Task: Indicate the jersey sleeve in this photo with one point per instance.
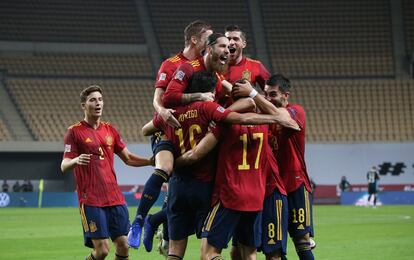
(178, 84)
(165, 74)
(298, 114)
(71, 149)
(215, 112)
(119, 143)
(263, 75)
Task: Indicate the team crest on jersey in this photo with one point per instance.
(221, 109)
(247, 75)
(163, 76)
(88, 140)
(109, 140)
(92, 226)
(68, 148)
(179, 75)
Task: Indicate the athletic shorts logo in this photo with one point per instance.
(179, 75)
(4, 199)
(163, 76)
(92, 226)
(67, 148)
(221, 109)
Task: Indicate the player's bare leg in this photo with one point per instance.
(100, 249)
(177, 249)
(235, 253)
(303, 247)
(209, 252)
(122, 248)
(274, 256)
(247, 252)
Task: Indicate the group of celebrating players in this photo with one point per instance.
(233, 158)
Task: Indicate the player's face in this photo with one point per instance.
(201, 41)
(94, 105)
(275, 96)
(236, 45)
(218, 55)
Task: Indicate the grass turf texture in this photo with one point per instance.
(342, 232)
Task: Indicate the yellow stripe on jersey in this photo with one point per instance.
(174, 59)
(212, 216)
(83, 218)
(74, 125)
(253, 60)
(307, 208)
(195, 63)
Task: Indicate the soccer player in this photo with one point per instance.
(373, 178)
(241, 67)
(289, 148)
(90, 146)
(195, 35)
(214, 61)
(190, 187)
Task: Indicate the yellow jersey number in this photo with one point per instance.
(245, 165)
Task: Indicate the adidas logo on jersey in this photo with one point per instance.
(301, 227)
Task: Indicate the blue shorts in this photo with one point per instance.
(188, 205)
(104, 222)
(160, 143)
(274, 223)
(300, 212)
(222, 224)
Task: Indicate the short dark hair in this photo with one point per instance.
(235, 28)
(195, 28)
(281, 81)
(202, 81)
(212, 38)
(87, 91)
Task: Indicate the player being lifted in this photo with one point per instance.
(195, 35)
(89, 150)
(190, 187)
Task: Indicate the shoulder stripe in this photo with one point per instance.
(74, 125)
(174, 59)
(195, 63)
(253, 60)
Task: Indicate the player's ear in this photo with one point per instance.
(244, 44)
(194, 39)
(83, 106)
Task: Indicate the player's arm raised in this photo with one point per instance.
(149, 128)
(202, 149)
(246, 90)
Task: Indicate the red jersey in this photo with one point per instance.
(274, 181)
(167, 69)
(182, 78)
(251, 70)
(96, 182)
(290, 151)
(194, 119)
(241, 171)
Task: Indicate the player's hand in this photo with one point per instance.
(242, 89)
(152, 160)
(83, 159)
(168, 117)
(207, 96)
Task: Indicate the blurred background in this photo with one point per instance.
(351, 63)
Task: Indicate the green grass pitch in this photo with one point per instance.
(342, 232)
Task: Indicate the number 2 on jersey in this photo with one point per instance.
(245, 165)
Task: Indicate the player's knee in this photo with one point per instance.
(174, 257)
(274, 256)
(235, 253)
(122, 249)
(164, 160)
(101, 253)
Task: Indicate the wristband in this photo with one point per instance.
(253, 93)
